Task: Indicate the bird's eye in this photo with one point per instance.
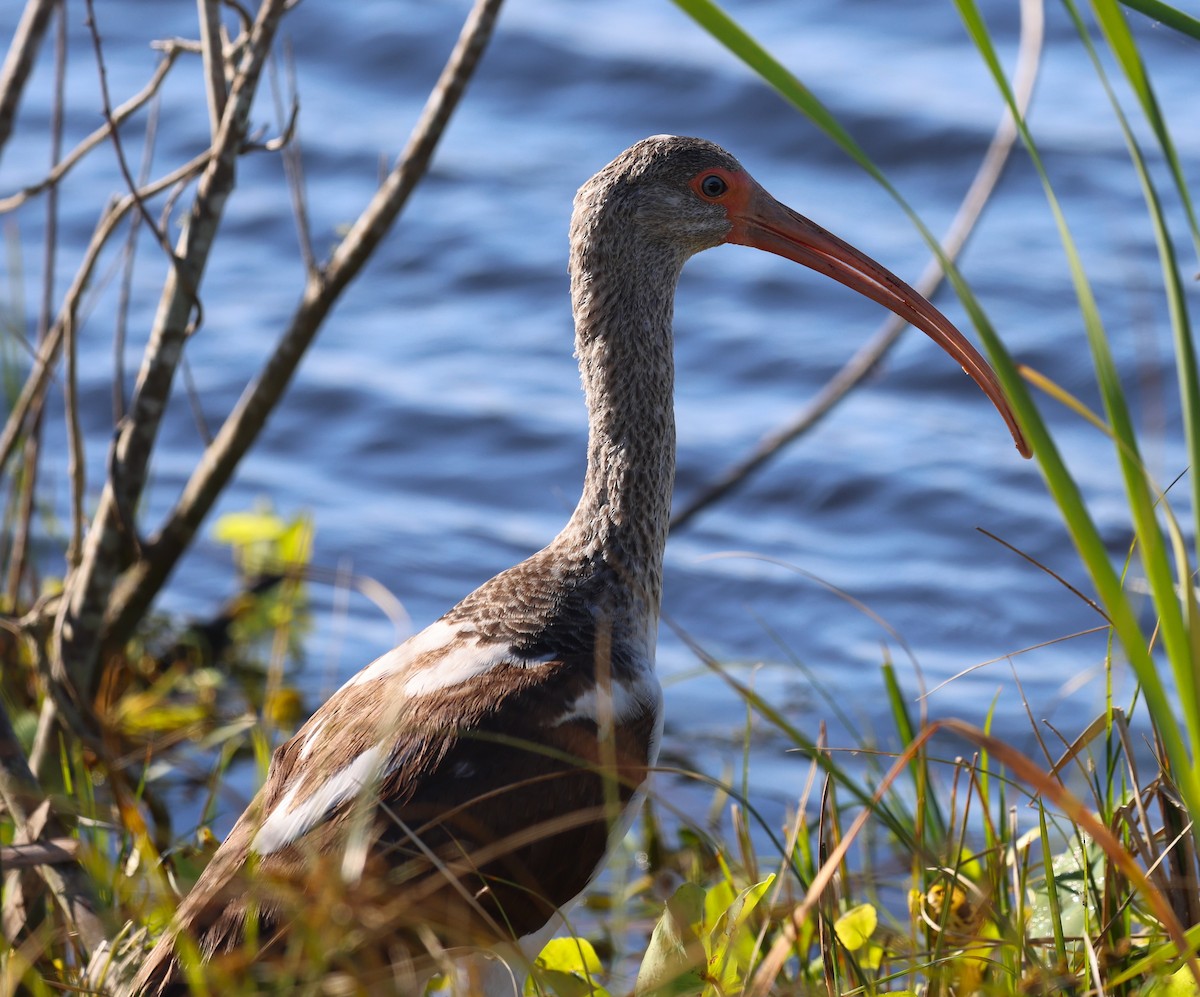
(713, 186)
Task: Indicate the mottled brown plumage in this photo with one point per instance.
(466, 785)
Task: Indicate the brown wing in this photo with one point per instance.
(479, 831)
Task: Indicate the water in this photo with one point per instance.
(436, 431)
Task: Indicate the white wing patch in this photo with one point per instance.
(439, 636)
(286, 824)
(619, 703)
(458, 656)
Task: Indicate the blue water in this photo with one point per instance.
(436, 431)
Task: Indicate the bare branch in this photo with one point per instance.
(239, 431)
(80, 620)
(293, 161)
(126, 293)
(18, 64)
(868, 358)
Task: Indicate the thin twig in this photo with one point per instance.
(141, 583)
(194, 402)
(23, 514)
(114, 135)
(130, 255)
(18, 64)
(123, 112)
(40, 752)
(293, 161)
(867, 359)
(33, 391)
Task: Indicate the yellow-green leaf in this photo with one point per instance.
(731, 946)
(241, 528)
(1181, 983)
(855, 928)
(566, 967)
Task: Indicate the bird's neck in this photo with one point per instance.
(623, 305)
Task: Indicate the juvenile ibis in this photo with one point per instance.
(463, 788)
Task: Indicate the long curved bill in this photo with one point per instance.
(762, 222)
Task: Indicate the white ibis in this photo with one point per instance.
(465, 787)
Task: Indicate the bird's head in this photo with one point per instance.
(685, 195)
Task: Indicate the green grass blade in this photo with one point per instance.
(1189, 389)
(1052, 898)
(929, 809)
(1185, 352)
(1140, 496)
(729, 33)
(1120, 40)
(738, 41)
(1164, 13)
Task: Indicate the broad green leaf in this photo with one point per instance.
(854, 930)
(675, 960)
(566, 967)
(1078, 874)
(717, 901)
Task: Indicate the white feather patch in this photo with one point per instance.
(435, 637)
(619, 703)
(286, 823)
(458, 663)
(449, 655)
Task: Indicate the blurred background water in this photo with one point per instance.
(436, 431)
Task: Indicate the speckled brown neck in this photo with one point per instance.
(623, 292)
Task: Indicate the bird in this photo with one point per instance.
(465, 787)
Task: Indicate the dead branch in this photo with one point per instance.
(22, 521)
(142, 582)
(118, 145)
(58, 851)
